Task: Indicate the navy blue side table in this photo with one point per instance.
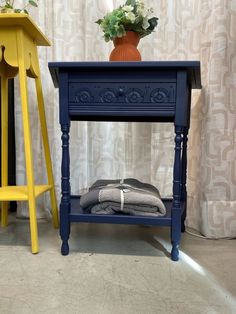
(127, 91)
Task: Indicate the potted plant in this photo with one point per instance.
(125, 26)
(8, 6)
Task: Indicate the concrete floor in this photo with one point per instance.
(114, 269)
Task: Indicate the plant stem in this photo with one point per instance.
(25, 6)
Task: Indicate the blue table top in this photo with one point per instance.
(193, 68)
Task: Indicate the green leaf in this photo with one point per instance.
(107, 38)
(135, 8)
(153, 23)
(99, 21)
(8, 6)
(33, 3)
(25, 11)
(131, 2)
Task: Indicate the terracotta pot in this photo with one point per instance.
(126, 48)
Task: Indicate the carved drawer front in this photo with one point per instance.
(143, 97)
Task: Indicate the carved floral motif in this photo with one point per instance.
(108, 96)
(160, 95)
(84, 96)
(134, 95)
(123, 94)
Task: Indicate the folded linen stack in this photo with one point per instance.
(127, 196)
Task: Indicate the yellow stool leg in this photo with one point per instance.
(42, 117)
(4, 214)
(4, 153)
(28, 146)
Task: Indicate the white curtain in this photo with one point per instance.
(188, 30)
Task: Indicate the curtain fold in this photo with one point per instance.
(188, 30)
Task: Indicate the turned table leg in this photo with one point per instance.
(65, 188)
(176, 207)
(184, 178)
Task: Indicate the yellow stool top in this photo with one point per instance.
(23, 20)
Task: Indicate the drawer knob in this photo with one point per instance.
(121, 92)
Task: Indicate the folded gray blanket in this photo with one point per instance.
(129, 196)
(110, 208)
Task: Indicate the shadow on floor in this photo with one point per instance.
(92, 238)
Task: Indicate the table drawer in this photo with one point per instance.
(121, 97)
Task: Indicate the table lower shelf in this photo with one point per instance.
(78, 215)
(20, 193)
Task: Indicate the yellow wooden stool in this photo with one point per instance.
(19, 38)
